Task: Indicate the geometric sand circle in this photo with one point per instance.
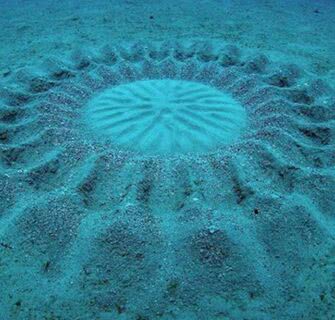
(165, 117)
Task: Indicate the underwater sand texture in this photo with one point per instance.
(292, 31)
(92, 228)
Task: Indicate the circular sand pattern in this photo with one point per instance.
(166, 116)
(199, 235)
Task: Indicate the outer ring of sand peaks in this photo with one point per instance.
(63, 92)
(165, 117)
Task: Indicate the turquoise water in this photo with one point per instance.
(167, 160)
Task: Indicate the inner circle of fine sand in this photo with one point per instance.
(166, 116)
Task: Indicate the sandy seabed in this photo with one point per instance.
(110, 211)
